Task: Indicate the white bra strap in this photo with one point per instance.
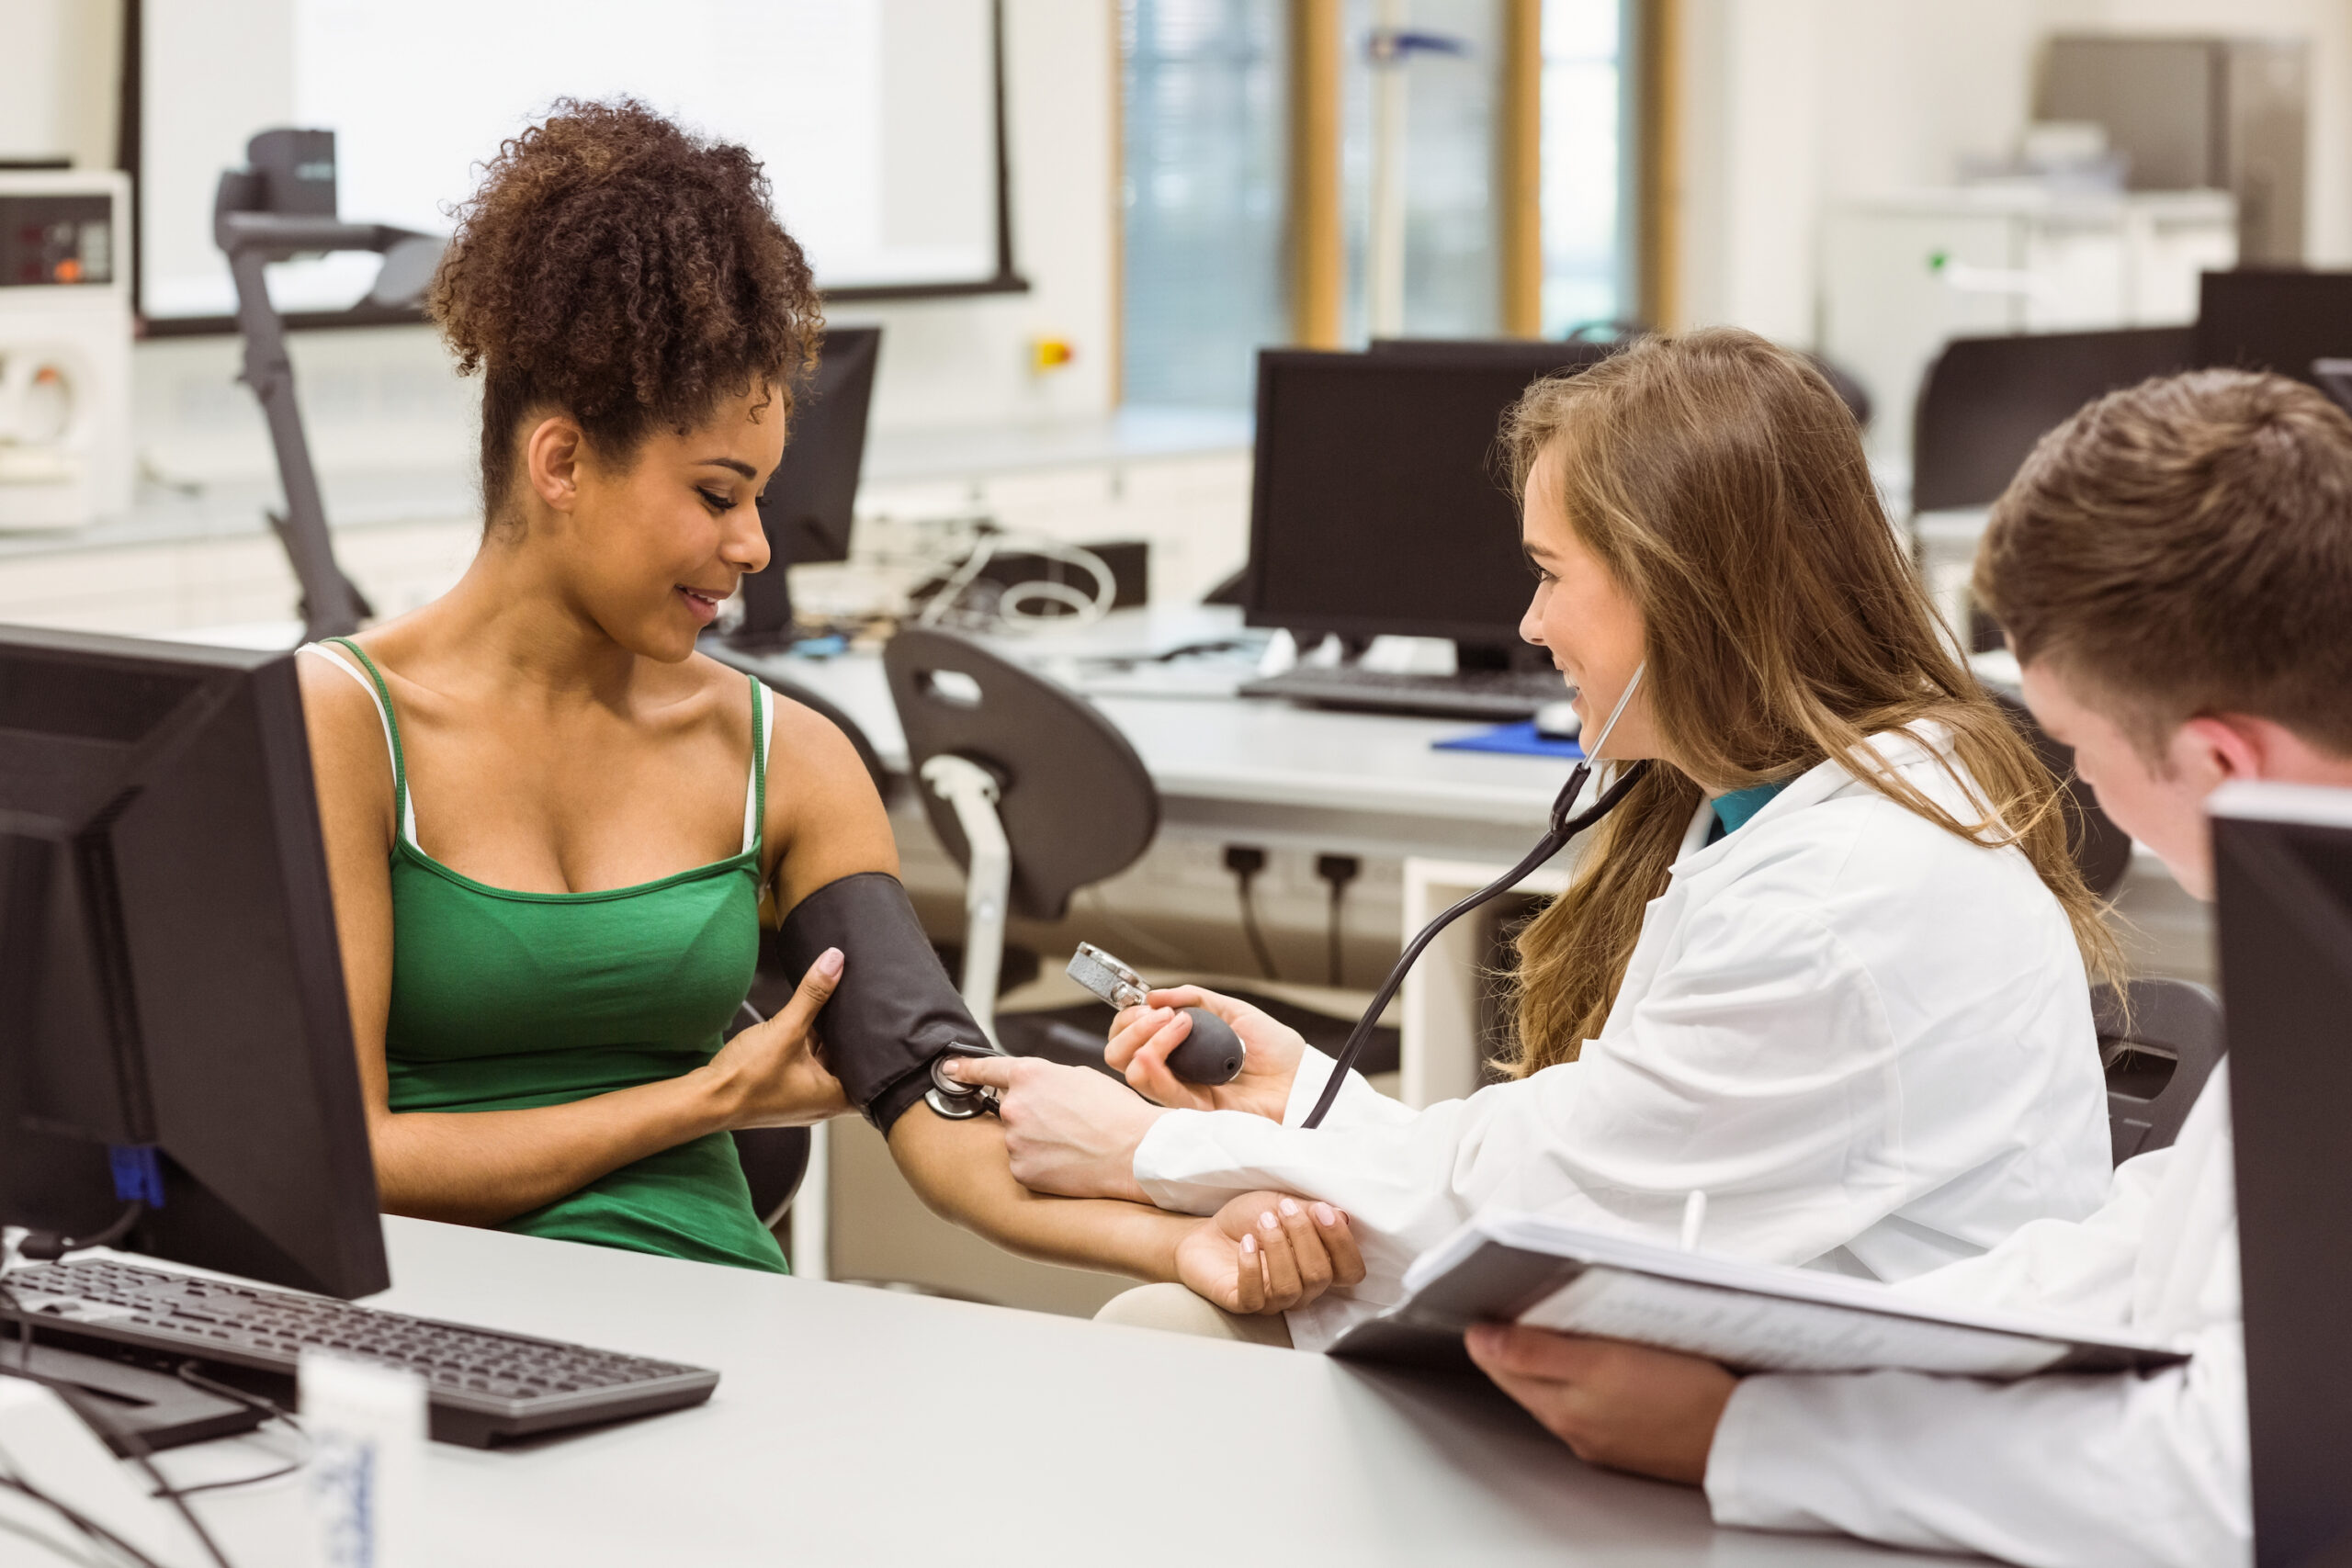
(759, 767)
(376, 699)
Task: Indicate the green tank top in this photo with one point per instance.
(505, 1000)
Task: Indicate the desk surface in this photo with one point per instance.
(857, 1426)
(1334, 781)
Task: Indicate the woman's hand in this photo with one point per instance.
(1069, 1132)
(1627, 1406)
(1142, 1037)
(769, 1075)
(1265, 1252)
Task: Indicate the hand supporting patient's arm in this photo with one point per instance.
(1236, 1258)
(1068, 1131)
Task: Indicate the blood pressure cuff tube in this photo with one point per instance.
(895, 1010)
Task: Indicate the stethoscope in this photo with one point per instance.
(1563, 828)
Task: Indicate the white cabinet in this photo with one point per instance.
(1902, 274)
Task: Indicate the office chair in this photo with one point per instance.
(2158, 1053)
(774, 1159)
(1036, 794)
(1030, 789)
(2102, 850)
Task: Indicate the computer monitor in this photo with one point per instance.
(2274, 319)
(1382, 502)
(171, 989)
(2283, 874)
(807, 507)
(1986, 401)
(2335, 378)
(1537, 357)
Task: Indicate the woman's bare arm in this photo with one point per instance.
(961, 1172)
(482, 1167)
(834, 826)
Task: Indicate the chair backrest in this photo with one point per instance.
(2102, 850)
(774, 1159)
(1077, 802)
(2175, 1018)
(1986, 401)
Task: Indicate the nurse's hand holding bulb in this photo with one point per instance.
(1142, 1037)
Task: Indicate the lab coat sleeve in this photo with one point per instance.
(2061, 1472)
(2084, 1268)
(1757, 1070)
(1359, 1104)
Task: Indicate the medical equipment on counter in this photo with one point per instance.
(1563, 828)
(64, 347)
(279, 207)
(1211, 1053)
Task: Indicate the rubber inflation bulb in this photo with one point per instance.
(1211, 1053)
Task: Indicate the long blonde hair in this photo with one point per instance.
(1723, 484)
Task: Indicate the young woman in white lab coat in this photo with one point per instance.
(1827, 963)
(2169, 565)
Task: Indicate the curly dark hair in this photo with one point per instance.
(619, 269)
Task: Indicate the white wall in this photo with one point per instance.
(58, 68)
(966, 364)
(385, 399)
(1796, 104)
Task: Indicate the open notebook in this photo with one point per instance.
(1507, 1267)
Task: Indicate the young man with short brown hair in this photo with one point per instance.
(2174, 568)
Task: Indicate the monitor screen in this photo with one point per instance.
(2282, 864)
(2278, 320)
(811, 497)
(1383, 495)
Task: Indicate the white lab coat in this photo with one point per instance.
(2053, 1471)
(1867, 1040)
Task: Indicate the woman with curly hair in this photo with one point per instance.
(553, 826)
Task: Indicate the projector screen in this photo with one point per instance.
(878, 122)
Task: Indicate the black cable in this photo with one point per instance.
(1338, 871)
(269, 1409)
(79, 1520)
(281, 1471)
(1563, 828)
(47, 1247)
(104, 1424)
(144, 1458)
(1245, 863)
(24, 1327)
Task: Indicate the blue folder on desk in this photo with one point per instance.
(1519, 740)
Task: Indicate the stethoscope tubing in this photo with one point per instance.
(1564, 828)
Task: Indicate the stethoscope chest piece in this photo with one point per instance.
(957, 1101)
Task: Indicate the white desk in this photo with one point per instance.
(855, 1426)
(1354, 782)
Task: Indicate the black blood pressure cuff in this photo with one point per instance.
(895, 1010)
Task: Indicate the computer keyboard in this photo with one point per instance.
(483, 1386)
(1501, 695)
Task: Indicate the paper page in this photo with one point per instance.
(1754, 1333)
